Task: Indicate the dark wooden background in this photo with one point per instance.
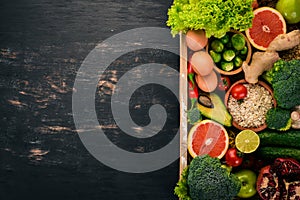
(42, 45)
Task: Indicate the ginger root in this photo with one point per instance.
(285, 41)
(262, 61)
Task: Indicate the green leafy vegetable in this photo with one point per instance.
(227, 66)
(215, 56)
(194, 115)
(284, 77)
(244, 51)
(182, 188)
(208, 180)
(225, 39)
(228, 55)
(216, 17)
(237, 61)
(279, 119)
(238, 41)
(217, 46)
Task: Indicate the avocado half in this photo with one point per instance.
(217, 112)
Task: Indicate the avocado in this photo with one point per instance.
(217, 112)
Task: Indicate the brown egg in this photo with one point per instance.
(207, 83)
(196, 39)
(202, 63)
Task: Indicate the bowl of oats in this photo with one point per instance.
(249, 111)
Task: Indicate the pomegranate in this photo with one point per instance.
(280, 180)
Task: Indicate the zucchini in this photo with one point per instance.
(279, 152)
(289, 138)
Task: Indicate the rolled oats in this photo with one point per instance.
(250, 112)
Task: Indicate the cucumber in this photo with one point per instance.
(279, 152)
(289, 138)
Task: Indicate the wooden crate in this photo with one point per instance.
(183, 99)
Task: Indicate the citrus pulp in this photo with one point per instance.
(208, 137)
(267, 24)
(247, 141)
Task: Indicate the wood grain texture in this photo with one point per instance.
(42, 46)
(183, 103)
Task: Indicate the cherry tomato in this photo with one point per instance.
(239, 91)
(224, 83)
(232, 158)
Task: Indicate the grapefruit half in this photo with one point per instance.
(267, 24)
(208, 137)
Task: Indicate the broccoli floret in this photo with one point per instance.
(194, 114)
(287, 92)
(278, 72)
(208, 180)
(278, 119)
(285, 80)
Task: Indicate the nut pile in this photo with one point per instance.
(251, 111)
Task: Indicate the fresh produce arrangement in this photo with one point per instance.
(242, 67)
(229, 52)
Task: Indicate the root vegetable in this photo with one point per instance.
(285, 41)
(263, 61)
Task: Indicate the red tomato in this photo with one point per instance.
(232, 158)
(239, 91)
(224, 83)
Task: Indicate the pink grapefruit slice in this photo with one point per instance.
(267, 24)
(208, 137)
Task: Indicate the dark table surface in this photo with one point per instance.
(42, 46)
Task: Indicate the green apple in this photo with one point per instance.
(290, 10)
(248, 179)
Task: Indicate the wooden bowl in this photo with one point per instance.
(227, 95)
(247, 60)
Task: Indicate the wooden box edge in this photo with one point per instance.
(183, 96)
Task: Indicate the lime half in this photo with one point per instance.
(247, 141)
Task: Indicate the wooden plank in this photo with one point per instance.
(183, 96)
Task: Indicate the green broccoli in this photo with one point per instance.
(207, 179)
(284, 77)
(282, 70)
(194, 115)
(278, 119)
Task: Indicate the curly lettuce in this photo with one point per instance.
(182, 188)
(216, 17)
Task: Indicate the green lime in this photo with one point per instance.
(247, 141)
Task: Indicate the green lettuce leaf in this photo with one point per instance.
(181, 189)
(216, 17)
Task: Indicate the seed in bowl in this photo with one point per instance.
(251, 111)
